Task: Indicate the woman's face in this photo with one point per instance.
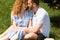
(24, 6)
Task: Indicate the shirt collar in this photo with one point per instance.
(36, 12)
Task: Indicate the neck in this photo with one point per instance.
(22, 13)
(35, 9)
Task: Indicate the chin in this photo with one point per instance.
(30, 8)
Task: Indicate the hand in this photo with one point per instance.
(26, 30)
(30, 29)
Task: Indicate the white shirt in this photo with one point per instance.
(42, 17)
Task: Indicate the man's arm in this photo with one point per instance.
(36, 28)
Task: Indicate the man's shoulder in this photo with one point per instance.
(41, 9)
(42, 12)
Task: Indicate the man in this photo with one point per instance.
(40, 22)
(41, 19)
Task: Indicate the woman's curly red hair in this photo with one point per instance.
(17, 6)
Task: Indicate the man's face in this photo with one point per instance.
(30, 4)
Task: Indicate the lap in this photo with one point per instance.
(14, 37)
(11, 32)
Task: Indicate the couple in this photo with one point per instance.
(27, 16)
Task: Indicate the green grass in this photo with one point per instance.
(5, 9)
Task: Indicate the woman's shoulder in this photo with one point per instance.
(12, 14)
(29, 13)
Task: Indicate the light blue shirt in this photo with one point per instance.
(42, 17)
(22, 22)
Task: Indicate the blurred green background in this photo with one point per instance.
(52, 8)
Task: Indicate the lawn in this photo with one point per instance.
(5, 10)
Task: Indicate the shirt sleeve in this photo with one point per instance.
(41, 18)
(12, 17)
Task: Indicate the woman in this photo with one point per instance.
(20, 17)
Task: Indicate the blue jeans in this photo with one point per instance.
(21, 34)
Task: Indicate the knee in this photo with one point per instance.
(31, 36)
(34, 36)
(4, 38)
(13, 39)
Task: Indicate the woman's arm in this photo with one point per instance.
(17, 28)
(29, 26)
(14, 23)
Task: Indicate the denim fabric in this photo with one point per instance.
(21, 34)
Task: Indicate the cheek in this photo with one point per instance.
(30, 4)
(24, 6)
(34, 5)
